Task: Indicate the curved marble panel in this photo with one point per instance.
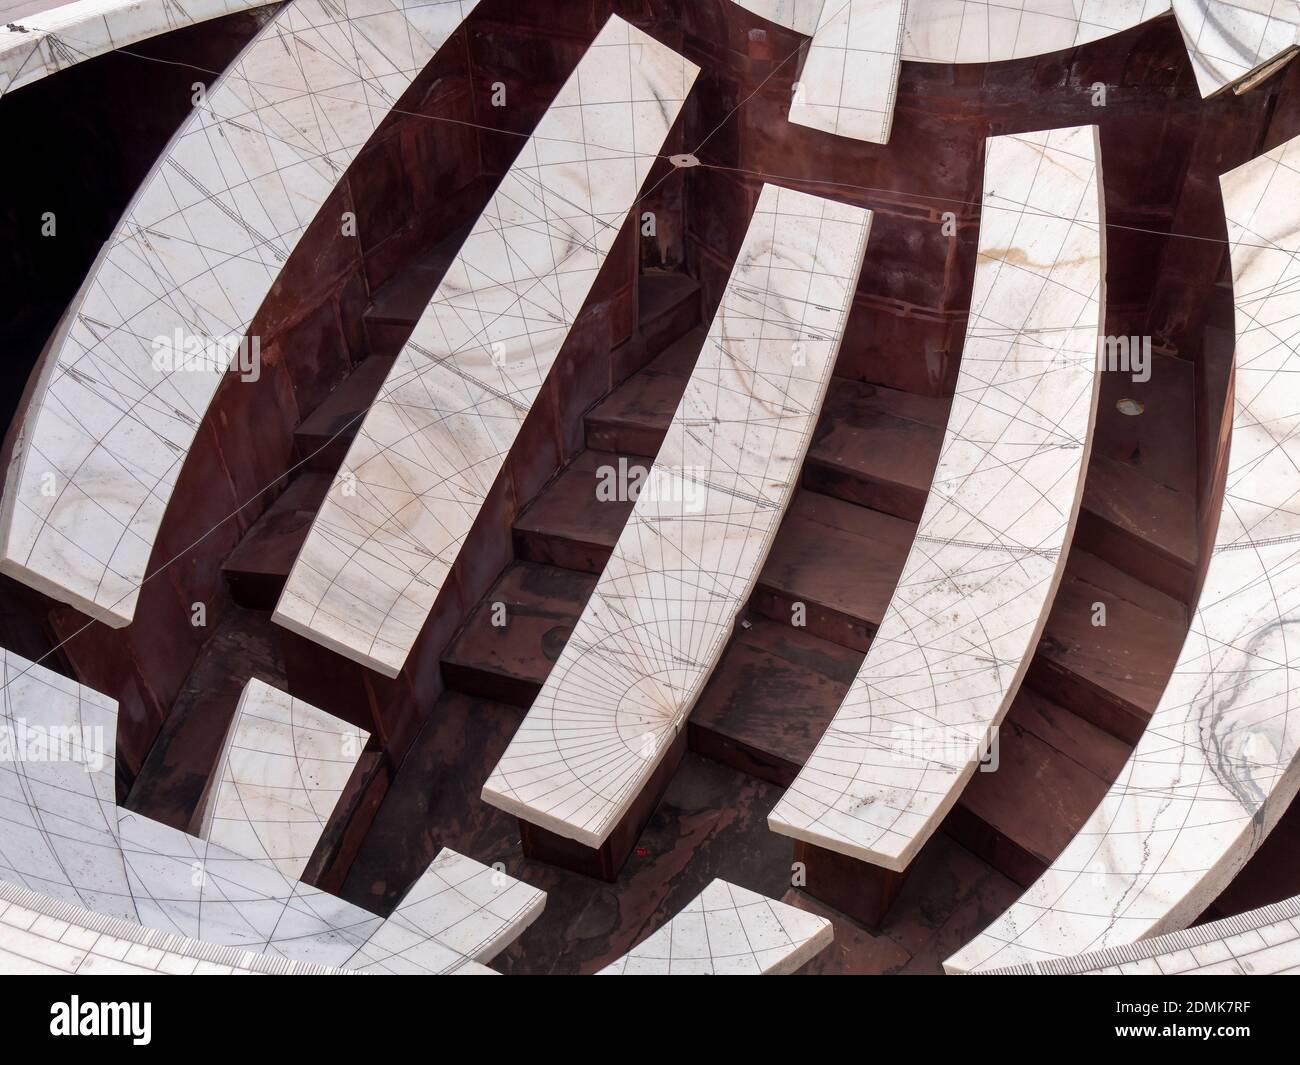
(433, 442)
(980, 578)
(700, 530)
(1231, 43)
(728, 931)
(130, 373)
(1263, 942)
(62, 836)
(32, 46)
(459, 909)
(1217, 764)
(974, 31)
(283, 767)
(42, 937)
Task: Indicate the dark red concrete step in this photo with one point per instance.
(668, 307)
(770, 699)
(1140, 496)
(634, 417)
(1111, 675)
(1052, 770)
(398, 304)
(840, 560)
(510, 663)
(876, 446)
(256, 570)
(568, 525)
(324, 436)
(178, 770)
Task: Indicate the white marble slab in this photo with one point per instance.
(974, 31)
(115, 408)
(188, 887)
(983, 569)
(1229, 41)
(42, 937)
(1262, 942)
(33, 46)
(63, 837)
(282, 769)
(432, 444)
(58, 806)
(459, 914)
(849, 80)
(728, 931)
(801, 16)
(1216, 766)
(700, 530)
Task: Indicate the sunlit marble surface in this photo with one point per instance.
(283, 767)
(63, 837)
(116, 407)
(1263, 942)
(728, 931)
(42, 937)
(700, 530)
(979, 580)
(1217, 764)
(432, 444)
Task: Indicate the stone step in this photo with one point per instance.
(509, 662)
(876, 446)
(635, 416)
(569, 524)
(771, 697)
(1113, 674)
(1052, 768)
(322, 440)
(256, 570)
(840, 560)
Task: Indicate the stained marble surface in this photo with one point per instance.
(988, 554)
(140, 352)
(728, 931)
(45, 42)
(63, 837)
(430, 447)
(283, 767)
(1227, 40)
(1262, 942)
(1217, 765)
(700, 529)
